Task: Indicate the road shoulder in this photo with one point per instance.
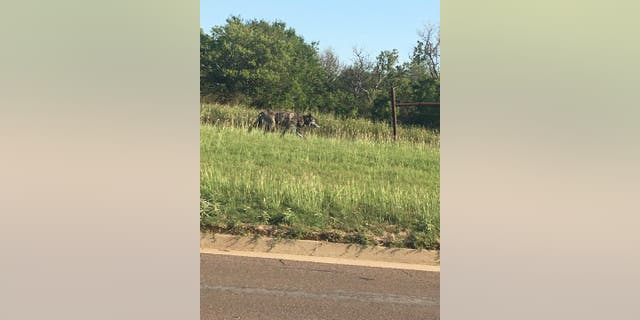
(320, 251)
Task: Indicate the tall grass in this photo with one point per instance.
(348, 184)
(330, 125)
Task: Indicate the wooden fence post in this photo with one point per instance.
(395, 113)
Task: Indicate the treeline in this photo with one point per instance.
(268, 65)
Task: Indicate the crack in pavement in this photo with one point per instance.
(334, 295)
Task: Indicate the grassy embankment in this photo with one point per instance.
(347, 182)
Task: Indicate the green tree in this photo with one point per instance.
(422, 76)
(268, 65)
(263, 64)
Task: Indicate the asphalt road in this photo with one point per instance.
(233, 287)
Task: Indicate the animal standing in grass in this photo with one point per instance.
(269, 120)
(265, 120)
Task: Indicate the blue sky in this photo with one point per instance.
(369, 25)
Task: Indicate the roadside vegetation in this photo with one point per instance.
(268, 65)
(348, 181)
(330, 125)
(342, 185)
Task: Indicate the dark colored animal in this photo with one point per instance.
(297, 120)
(269, 120)
(266, 120)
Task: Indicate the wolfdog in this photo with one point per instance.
(266, 120)
(269, 119)
(290, 119)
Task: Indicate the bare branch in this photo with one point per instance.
(430, 49)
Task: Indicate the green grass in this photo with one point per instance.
(330, 125)
(361, 189)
